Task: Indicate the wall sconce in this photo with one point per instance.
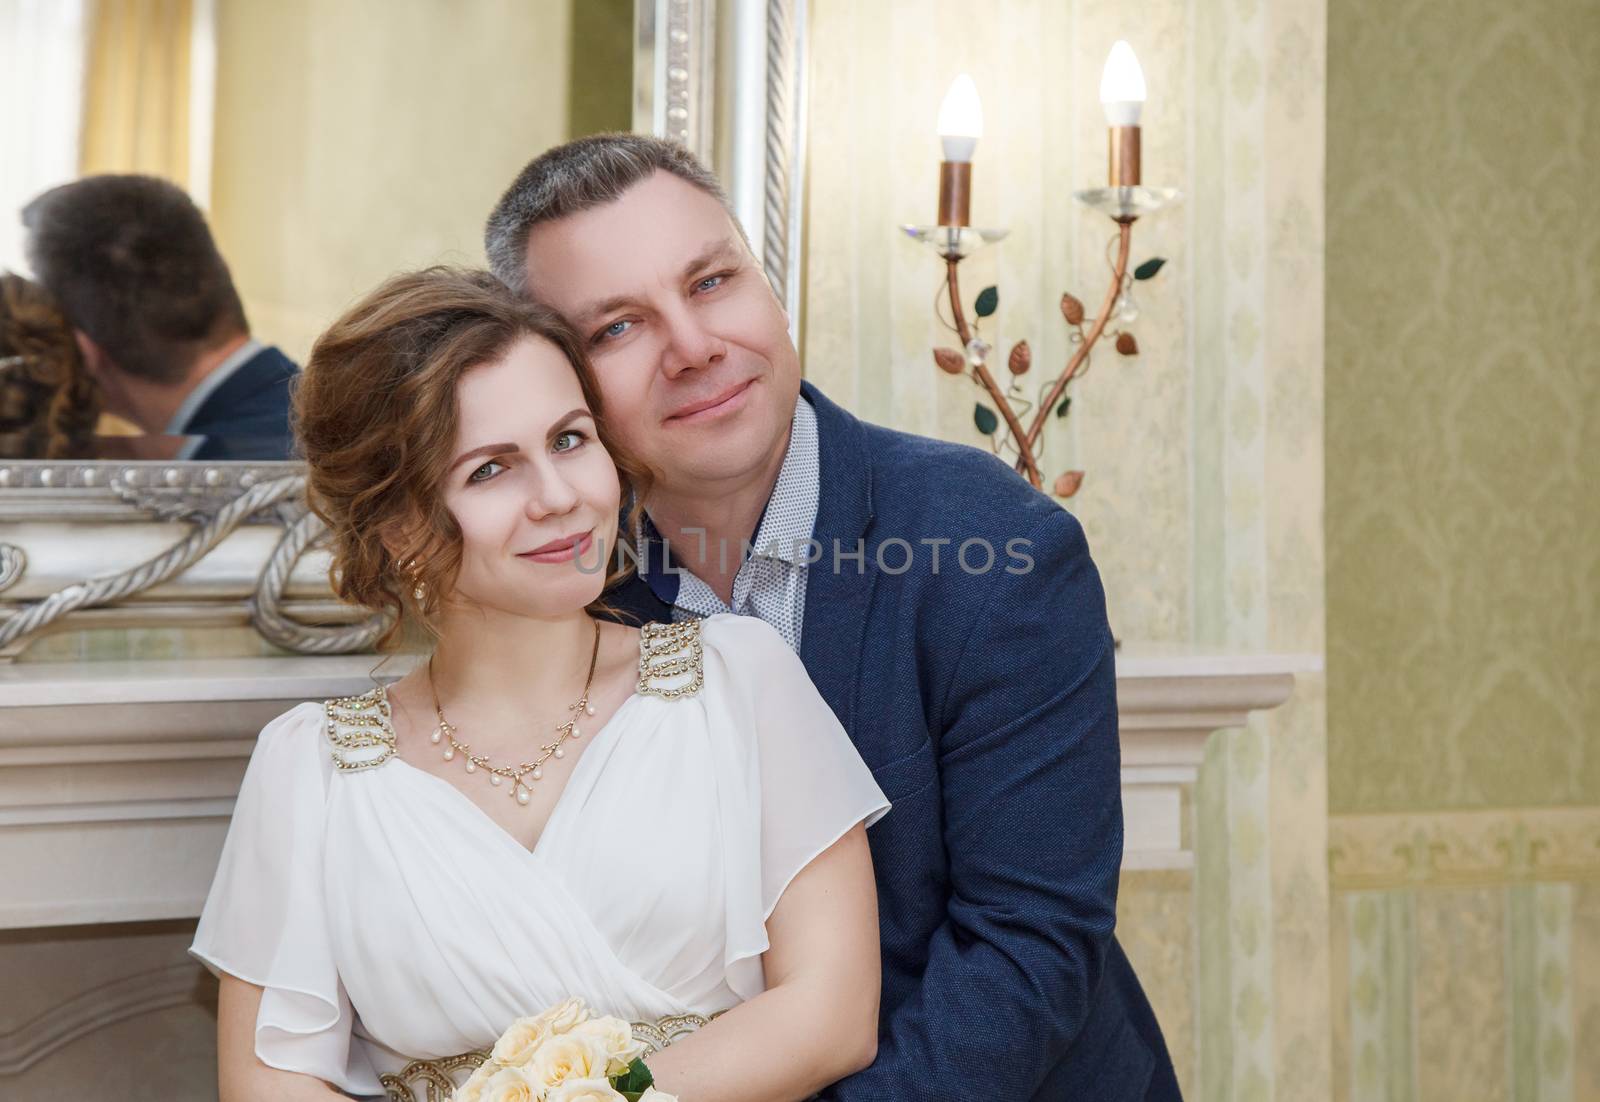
(1124, 201)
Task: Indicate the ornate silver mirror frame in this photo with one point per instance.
(150, 544)
(728, 80)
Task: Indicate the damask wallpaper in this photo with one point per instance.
(1463, 528)
(1463, 405)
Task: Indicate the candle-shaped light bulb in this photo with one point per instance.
(960, 120)
(1122, 90)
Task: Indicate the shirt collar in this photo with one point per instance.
(791, 513)
(210, 385)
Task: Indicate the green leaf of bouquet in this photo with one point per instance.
(985, 418)
(988, 302)
(634, 1082)
(1066, 404)
(1149, 268)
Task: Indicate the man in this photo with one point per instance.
(947, 611)
(155, 313)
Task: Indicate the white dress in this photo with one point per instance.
(389, 919)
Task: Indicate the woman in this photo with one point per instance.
(48, 402)
(662, 822)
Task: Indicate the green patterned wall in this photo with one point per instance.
(1463, 543)
(1463, 404)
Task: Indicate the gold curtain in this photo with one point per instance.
(136, 98)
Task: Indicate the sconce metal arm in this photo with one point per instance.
(1025, 461)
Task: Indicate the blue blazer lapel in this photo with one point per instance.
(837, 599)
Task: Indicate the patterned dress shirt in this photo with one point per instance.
(771, 582)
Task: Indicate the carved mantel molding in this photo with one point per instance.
(117, 779)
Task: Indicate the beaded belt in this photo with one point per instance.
(436, 1080)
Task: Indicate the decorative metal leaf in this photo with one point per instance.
(1021, 358)
(988, 302)
(1149, 268)
(950, 360)
(1066, 404)
(1127, 345)
(985, 418)
(1068, 483)
(1072, 310)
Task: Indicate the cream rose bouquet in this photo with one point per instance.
(564, 1055)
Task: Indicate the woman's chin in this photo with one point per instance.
(550, 601)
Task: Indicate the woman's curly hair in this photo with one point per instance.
(49, 404)
(376, 415)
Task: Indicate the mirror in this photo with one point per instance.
(324, 146)
(328, 144)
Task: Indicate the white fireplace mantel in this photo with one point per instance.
(1170, 699)
(117, 779)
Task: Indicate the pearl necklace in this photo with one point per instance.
(521, 790)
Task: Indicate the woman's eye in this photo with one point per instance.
(575, 437)
(615, 329)
(486, 472)
(710, 283)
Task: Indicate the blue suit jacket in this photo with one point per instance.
(248, 415)
(984, 701)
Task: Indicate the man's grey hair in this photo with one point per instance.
(577, 176)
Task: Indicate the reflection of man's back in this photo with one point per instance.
(160, 328)
(241, 409)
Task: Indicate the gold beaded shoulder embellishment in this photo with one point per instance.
(670, 663)
(360, 731)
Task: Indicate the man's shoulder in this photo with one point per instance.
(264, 379)
(269, 369)
(947, 487)
(260, 386)
(247, 416)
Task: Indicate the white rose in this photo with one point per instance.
(512, 1085)
(584, 1090)
(568, 1056)
(519, 1042)
(562, 1017)
(472, 1089)
(652, 1095)
(615, 1037)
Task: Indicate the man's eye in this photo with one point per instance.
(486, 472)
(615, 329)
(710, 283)
(577, 438)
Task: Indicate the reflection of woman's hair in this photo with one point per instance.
(48, 402)
(376, 417)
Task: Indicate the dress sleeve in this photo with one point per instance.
(806, 774)
(266, 921)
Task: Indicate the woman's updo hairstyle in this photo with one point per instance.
(376, 417)
(49, 405)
